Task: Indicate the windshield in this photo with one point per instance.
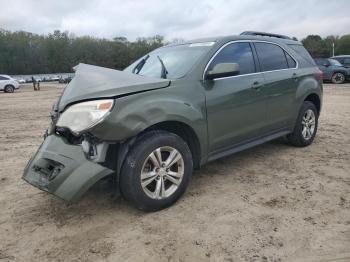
(170, 62)
(334, 62)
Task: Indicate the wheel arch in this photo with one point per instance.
(9, 85)
(315, 99)
(186, 133)
(339, 71)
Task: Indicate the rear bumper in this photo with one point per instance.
(63, 169)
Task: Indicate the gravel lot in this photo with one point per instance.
(270, 203)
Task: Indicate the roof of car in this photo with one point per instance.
(340, 56)
(242, 37)
(6, 76)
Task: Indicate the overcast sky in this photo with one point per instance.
(177, 18)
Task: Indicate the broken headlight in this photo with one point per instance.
(82, 116)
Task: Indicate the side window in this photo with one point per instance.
(3, 78)
(271, 56)
(346, 61)
(240, 53)
(291, 62)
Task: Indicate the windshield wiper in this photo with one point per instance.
(164, 71)
(139, 66)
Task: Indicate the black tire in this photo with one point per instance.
(9, 89)
(297, 138)
(130, 177)
(338, 78)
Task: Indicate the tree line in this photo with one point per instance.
(27, 53)
(320, 47)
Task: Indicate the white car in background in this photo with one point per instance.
(8, 84)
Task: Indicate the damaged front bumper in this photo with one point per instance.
(63, 169)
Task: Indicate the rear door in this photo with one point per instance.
(281, 81)
(236, 108)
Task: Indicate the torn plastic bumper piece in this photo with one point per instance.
(62, 169)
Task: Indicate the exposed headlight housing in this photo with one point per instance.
(82, 116)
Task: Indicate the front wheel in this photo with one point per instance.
(306, 126)
(156, 171)
(9, 89)
(338, 78)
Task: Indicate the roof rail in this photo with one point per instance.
(265, 34)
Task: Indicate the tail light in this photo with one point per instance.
(321, 75)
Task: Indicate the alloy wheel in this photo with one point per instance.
(162, 172)
(338, 78)
(308, 124)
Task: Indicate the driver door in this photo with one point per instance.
(236, 109)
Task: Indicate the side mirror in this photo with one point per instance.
(223, 70)
(326, 65)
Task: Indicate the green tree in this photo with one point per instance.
(316, 46)
(343, 45)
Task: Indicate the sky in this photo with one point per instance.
(183, 19)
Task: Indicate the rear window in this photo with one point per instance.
(303, 53)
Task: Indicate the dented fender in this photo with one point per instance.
(135, 113)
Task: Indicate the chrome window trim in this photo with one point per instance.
(249, 41)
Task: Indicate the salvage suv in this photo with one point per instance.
(174, 110)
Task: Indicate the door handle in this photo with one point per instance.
(256, 85)
(295, 76)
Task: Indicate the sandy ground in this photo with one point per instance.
(270, 203)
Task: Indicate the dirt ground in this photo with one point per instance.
(270, 203)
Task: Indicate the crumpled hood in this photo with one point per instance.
(92, 82)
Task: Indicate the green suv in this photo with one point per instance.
(174, 110)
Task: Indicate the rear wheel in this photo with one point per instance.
(156, 171)
(9, 89)
(306, 126)
(338, 78)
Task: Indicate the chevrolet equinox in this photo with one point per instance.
(172, 111)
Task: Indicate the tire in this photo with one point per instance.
(9, 89)
(338, 78)
(140, 162)
(306, 126)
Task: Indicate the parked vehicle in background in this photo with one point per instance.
(173, 110)
(343, 59)
(55, 78)
(21, 81)
(65, 80)
(333, 70)
(8, 84)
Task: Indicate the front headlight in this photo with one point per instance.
(85, 115)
